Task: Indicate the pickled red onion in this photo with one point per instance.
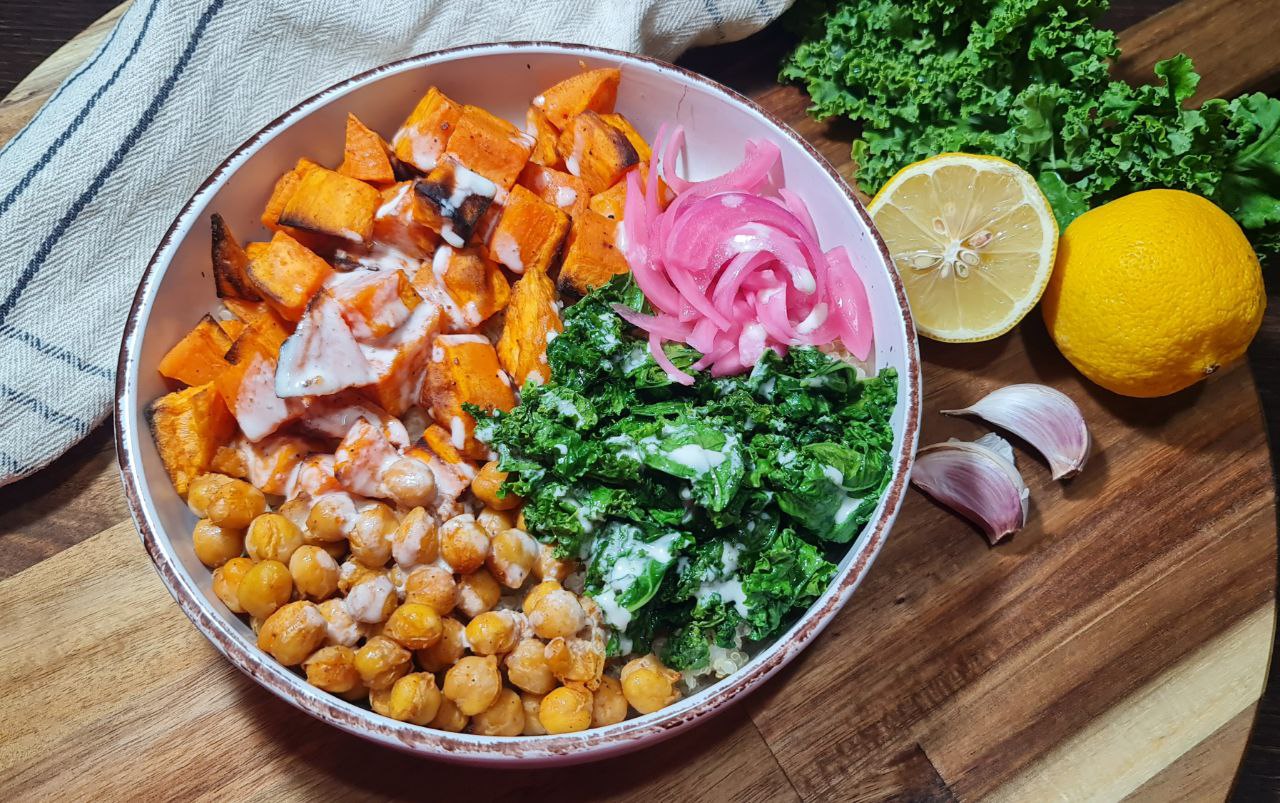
(733, 271)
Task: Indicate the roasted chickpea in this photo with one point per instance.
(486, 485)
(463, 543)
(215, 544)
(414, 626)
(495, 521)
(410, 482)
(549, 567)
(512, 553)
(333, 669)
(382, 662)
(265, 588)
(576, 660)
(449, 718)
(350, 573)
(527, 667)
(340, 628)
(531, 702)
(648, 685)
(557, 614)
(372, 600)
(236, 503)
(447, 651)
(566, 710)
(495, 632)
(473, 683)
(226, 582)
(432, 586)
(296, 510)
(272, 537)
(331, 518)
(536, 594)
(200, 492)
(416, 540)
(293, 632)
(478, 592)
(413, 698)
(504, 718)
(370, 538)
(610, 705)
(315, 574)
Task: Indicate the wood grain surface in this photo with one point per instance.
(1115, 648)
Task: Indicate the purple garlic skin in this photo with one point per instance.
(978, 480)
(1043, 417)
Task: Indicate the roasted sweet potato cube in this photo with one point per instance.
(593, 90)
(230, 263)
(451, 200)
(374, 303)
(557, 188)
(288, 274)
(466, 285)
(438, 441)
(611, 202)
(596, 152)
(464, 370)
(544, 135)
(396, 226)
(590, 259)
(426, 133)
(365, 156)
(400, 361)
(629, 131)
(531, 314)
(228, 460)
(269, 463)
(490, 146)
(234, 327)
(327, 202)
(200, 356)
(529, 233)
(359, 459)
(283, 191)
(265, 329)
(188, 427)
(249, 389)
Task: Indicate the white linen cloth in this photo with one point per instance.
(90, 185)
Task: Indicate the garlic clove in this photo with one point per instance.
(1043, 417)
(978, 480)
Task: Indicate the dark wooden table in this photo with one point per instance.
(30, 31)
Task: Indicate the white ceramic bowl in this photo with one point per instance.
(177, 288)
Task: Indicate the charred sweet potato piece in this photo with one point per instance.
(596, 152)
(288, 274)
(283, 191)
(590, 259)
(557, 188)
(365, 156)
(230, 263)
(327, 202)
(264, 328)
(593, 90)
(426, 133)
(544, 135)
(629, 131)
(531, 314)
(188, 427)
(490, 146)
(200, 356)
(529, 233)
(451, 200)
(467, 285)
(395, 225)
(464, 370)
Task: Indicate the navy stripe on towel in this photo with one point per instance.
(80, 428)
(50, 350)
(57, 144)
(33, 267)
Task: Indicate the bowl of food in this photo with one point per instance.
(517, 403)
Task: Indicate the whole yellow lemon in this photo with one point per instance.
(1153, 292)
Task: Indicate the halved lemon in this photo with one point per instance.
(974, 240)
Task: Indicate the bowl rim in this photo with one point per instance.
(529, 751)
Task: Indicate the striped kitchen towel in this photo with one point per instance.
(90, 185)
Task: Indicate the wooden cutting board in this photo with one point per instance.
(1116, 647)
